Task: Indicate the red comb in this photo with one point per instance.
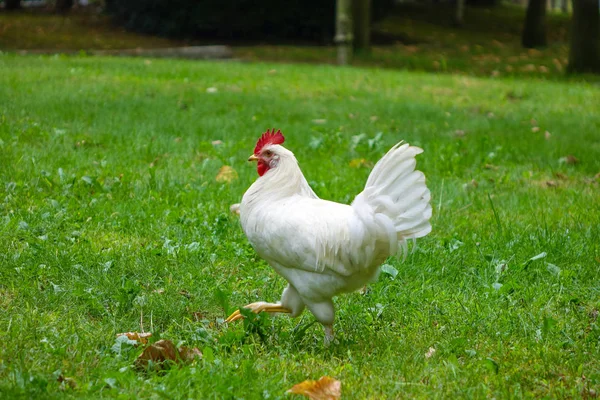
(269, 137)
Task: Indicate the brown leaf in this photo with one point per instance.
(164, 350)
(570, 159)
(138, 337)
(226, 174)
(430, 352)
(187, 355)
(547, 135)
(66, 382)
(528, 68)
(535, 129)
(560, 175)
(551, 183)
(326, 388)
(235, 208)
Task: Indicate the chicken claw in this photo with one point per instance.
(257, 307)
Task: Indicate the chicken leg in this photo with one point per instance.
(257, 307)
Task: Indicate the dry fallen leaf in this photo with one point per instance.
(66, 382)
(430, 352)
(235, 208)
(551, 183)
(535, 129)
(560, 175)
(226, 174)
(165, 350)
(547, 135)
(326, 388)
(138, 337)
(570, 159)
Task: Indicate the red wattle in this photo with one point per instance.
(262, 168)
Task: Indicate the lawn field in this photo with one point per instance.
(112, 220)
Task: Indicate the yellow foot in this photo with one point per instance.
(258, 307)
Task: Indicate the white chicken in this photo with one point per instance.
(323, 248)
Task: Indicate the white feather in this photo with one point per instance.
(324, 248)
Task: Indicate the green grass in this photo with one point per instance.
(110, 217)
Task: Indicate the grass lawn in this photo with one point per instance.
(111, 220)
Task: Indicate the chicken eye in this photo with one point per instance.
(268, 153)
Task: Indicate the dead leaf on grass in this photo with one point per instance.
(138, 337)
(547, 135)
(226, 174)
(66, 382)
(430, 352)
(535, 129)
(570, 159)
(235, 208)
(529, 68)
(560, 175)
(164, 350)
(326, 388)
(551, 183)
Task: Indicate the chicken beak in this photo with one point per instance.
(253, 157)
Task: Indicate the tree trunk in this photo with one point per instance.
(361, 13)
(343, 31)
(534, 31)
(564, 6)
(459, 17)
(584, 55)
(12, 4)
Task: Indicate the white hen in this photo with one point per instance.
(324, 248)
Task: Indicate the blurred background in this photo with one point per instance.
(548, 38)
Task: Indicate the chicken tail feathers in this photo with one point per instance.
(397, 196)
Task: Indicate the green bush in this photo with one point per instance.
(239, 20)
